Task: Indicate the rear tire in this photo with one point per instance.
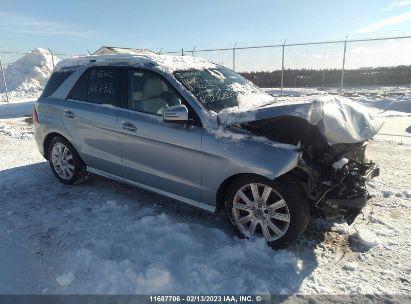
(275, 210)
(64, 161)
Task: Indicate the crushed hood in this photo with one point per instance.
(338, 119)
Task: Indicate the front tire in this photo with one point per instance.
(274, 210)
(64, 161)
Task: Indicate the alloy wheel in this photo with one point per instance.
(259, 210)
(62, 160)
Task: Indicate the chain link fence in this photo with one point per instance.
(328, 64)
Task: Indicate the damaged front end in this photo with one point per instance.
(338, 187)
(332, 168)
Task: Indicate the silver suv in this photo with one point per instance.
(199, 133)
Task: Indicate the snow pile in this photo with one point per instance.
(154, 253)
(29, 74)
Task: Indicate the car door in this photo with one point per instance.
(165, 156)
(90, 117)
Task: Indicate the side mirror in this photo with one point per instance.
(176, 114)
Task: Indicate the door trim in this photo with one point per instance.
(191, 202)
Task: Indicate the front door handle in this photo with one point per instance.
(68, 113)
(128, 126)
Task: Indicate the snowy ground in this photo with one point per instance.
(108, 238)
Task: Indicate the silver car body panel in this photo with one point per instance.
(185, 162)
(191, 202)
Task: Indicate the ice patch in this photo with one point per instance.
(386, 193)
(65, 279)
(367, 238)
(351, 266)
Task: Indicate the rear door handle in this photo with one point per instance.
(128, 126)
(68, 113)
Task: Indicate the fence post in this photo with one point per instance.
(234, 56)
(4, 81)
(182, 52)
(282, 68)
(52, 57)
(343, 66)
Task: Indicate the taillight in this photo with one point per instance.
(35, 117)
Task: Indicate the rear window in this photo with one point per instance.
(79, 91)
(56, 79)
(99, 85)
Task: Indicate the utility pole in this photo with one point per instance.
(234, 56)
(52, 57)
(343, 66)
(4, 81)
(282, 68)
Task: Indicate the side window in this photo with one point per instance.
(103, 85)
(150, 93)
(56, 79)
(79, 92)
(99, 85)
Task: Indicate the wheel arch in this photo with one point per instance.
(50, 137)
(222, 189)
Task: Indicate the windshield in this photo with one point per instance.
(220, 88)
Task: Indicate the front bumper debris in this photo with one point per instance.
(351, 196)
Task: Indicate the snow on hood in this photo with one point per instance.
(30, 73)
(166, 63)
(339, 119)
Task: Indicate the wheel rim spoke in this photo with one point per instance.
(254, 190)
(68, 157)
(244, 197)
(253, 225)
(243, 207)
(273, 227)
(280, 217)
(266, 194)
(266, 233)
(244, 219)
(277, 205)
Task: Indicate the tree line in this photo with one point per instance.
(387, 76)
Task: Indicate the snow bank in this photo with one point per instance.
(28, 75)
(155, 253)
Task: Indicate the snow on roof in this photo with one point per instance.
(166, 63)
(111, 50)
